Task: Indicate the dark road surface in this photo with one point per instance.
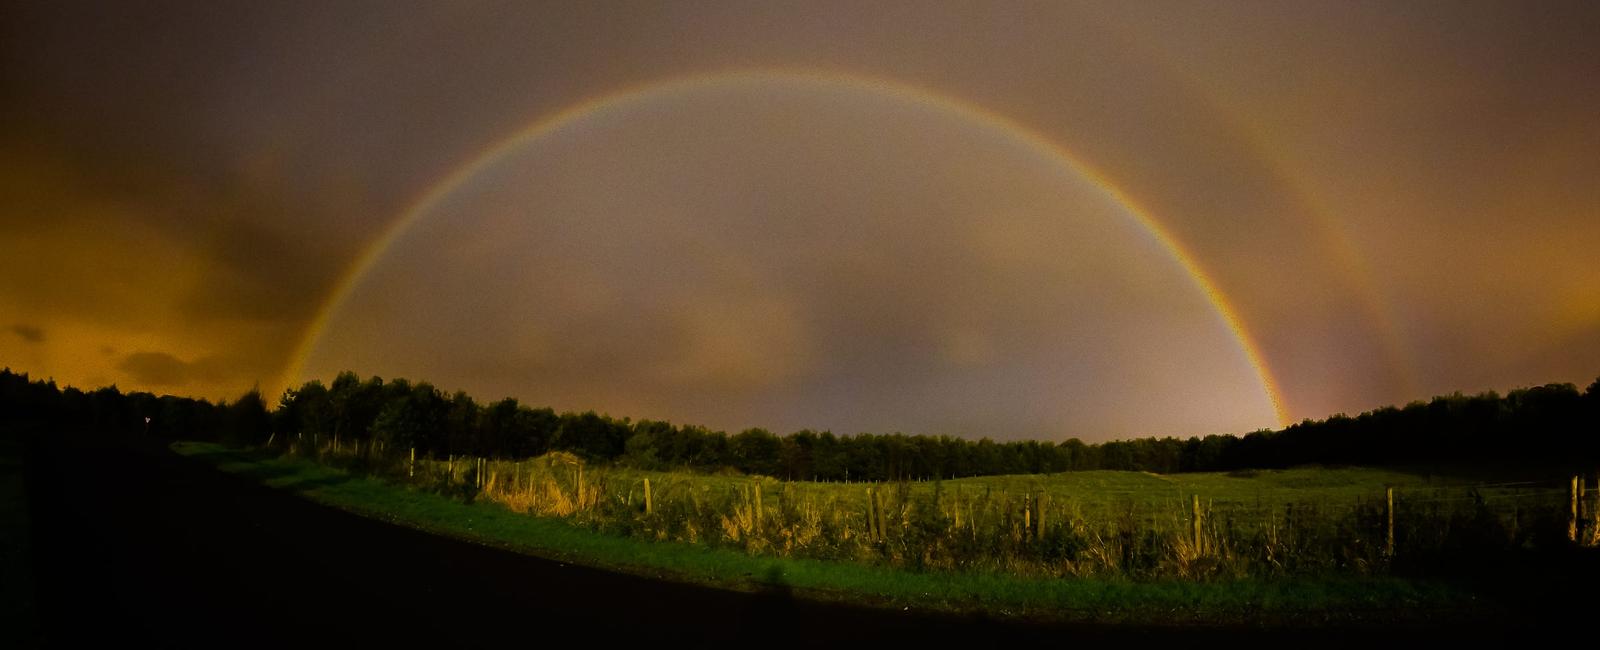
(136, 545)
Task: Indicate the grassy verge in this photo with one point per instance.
(1299, 601)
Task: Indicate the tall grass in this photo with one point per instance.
(1200, 527)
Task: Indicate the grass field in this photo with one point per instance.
(706, 529)
(1310, 521)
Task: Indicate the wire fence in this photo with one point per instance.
(1027, 524)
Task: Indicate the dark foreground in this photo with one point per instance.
(135, 544)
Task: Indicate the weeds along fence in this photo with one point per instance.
(1025, 528)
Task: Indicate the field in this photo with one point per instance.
(1201, 526)
(1331, 600)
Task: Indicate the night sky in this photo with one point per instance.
(985, 219)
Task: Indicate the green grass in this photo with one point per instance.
(1095, 494)
(1257, 601)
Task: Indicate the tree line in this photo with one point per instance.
(1554, 423)
(39, 407)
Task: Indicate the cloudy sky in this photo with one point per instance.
(1003, 219)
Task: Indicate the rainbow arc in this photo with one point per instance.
(497, 151)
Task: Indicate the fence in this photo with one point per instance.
(970, 525)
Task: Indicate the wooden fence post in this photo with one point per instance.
(955, 511)
(883, 517)
(874, 516)
(1388, 540)
(649, 507)
(1194, 520)
(1038, 520)
(1572, 515)
(1027, 517)
(1594, 528)
(757, 519)
(1583, 512)
(411, 467)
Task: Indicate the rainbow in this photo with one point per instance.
(1353, 263)
(1298, 189)
(493, 154)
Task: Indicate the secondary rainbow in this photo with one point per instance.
(493, 154)
(1288, 176)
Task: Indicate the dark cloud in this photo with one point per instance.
(156, 368)
(29, 333)
(165, 370)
